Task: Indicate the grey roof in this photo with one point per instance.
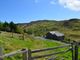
(56, 33)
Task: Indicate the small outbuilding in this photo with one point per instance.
(55, 35)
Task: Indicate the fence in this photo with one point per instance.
(27, 53)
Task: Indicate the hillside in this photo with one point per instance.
(17, 41)
(10, 44)
(71, 28)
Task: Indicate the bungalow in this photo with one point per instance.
(55, 35)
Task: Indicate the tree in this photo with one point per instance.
(1, 26)
(12, 27)
(6, 26)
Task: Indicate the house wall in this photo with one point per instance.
(61, 38)
(50, 36)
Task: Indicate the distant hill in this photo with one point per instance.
(71, 27)
(64, 22)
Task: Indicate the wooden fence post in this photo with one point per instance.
(24, 54)
(29, 54)
(1, 53)
(72, 51)
(76, 51)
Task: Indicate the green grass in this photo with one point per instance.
(17, 42)
(12, 44)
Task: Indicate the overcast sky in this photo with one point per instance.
(30, 10)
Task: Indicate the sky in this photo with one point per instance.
(23, 11)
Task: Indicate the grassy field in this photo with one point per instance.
(10, 44)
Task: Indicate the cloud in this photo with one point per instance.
(52, 2)
(71, 4)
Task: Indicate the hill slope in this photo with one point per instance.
(15, 43)
(12, 44)
(71, 28)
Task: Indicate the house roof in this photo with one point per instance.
(56, 33)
